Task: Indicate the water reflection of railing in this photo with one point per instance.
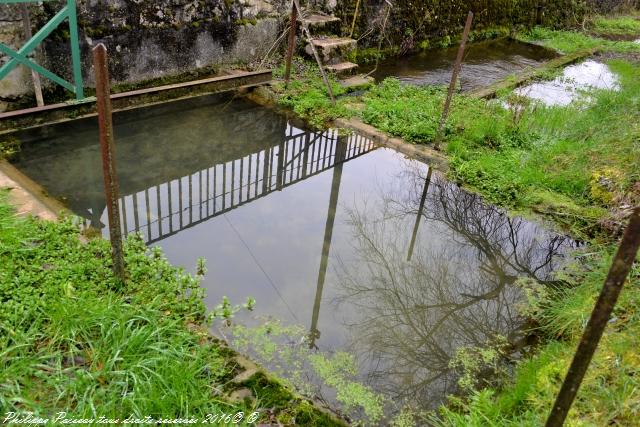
(165, 209)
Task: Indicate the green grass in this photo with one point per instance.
(569, 42)
(621, 25)
(307, 95)
(581, 158)
(72, 339)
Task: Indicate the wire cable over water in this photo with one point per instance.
(260, 267)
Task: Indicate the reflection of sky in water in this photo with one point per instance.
(565, 89)
(284, 232)
(403, 318)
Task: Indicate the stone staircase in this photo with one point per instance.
(333, 49)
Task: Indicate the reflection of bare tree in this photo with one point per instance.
(455, 291)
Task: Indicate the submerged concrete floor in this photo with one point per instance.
(25, 202)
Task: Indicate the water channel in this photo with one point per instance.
(371, 252)
(484, 63)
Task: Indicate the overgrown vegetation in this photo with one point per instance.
(617, 26)
(608, 395)
(575, 41)
(72, 339)
(308, 97)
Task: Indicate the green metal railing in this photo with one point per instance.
(21, 56)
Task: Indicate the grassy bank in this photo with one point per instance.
(72, 339)
(576, 163)
(609, 394)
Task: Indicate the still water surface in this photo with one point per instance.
(484, 63)
(371, 252)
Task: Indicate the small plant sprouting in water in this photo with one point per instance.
(285, 350)
(226, 311)
(201, 267)
(477, 364)
(250, 304)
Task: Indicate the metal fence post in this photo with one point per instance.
(454, 80)
(618, 272)
(292, 42)
(107, 146)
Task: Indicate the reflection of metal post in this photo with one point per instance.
(282, 153)
(419, 216)
(107, 145)
(454, 80)
(341, 148)
(305, 157)
(618, 273)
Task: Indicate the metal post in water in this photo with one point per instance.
(26, 22)
(107, 146)
(454, 80)
(293, 22)
(618, 272)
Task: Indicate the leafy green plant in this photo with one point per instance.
(308, 97)
(285, 350)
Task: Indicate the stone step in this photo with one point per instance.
(319, 19)
(361, 81)
(342, 68)
(332, 50)
(334, 42)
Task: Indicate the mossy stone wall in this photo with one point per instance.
(412, 22)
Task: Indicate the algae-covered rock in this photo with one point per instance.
(605, 184)
(9, 147)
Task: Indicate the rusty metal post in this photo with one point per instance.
(618, 272)
(355, 19)
(107, 146)
(26, 22)
(454, 80)
(293, 22)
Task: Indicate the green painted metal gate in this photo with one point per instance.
(21, 56)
